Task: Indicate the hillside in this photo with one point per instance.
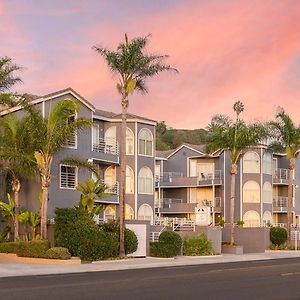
(170, 138)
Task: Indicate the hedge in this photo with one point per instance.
(278, 235)
(8, 247)
(58, 253)
(168, 245)
(198, 245)
(37, 249)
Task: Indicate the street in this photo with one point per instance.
(272, 279)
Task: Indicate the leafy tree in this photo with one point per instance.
(286, 138)
(133, 66)
(52, 133)
(8, 79)
(8, 212)
(235, 137)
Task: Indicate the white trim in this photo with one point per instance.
(188, 147)
(159, 158)
(43, 110)
(109, 161)
(127, 121)
(135, 171)
(76, 177)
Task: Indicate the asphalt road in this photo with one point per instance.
(271, 279)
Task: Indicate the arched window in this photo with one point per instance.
(145, 142)
(110, 138)
(267, 163)
(251, 162)
(267, 192)
(129, 213)
(109, 213)
(145, 213)
(129, 180)
(267, 218)
(251, 192)
(145, 181)
(129, 142)
(110, 176)
(251, 219)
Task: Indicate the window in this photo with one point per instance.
(110, 176)
(72, 140)
(95, 134)
(68, 177)
(251, 192)
(129, 213)
(110, 140)
(267, 218)
(109, 213)
(251, 219)
(145, 142)
(267, 192)
(145, 213)
(129, 180)
(145, 181)
(129, 142)
(251, 163)
(267, 163)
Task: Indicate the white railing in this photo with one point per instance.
(108, 145)
(281, 173)
(280, 225)
(112, 188)
(280, 203)
(176, 223)
(167, 176)
(166, 202)
(217, 174)
(209, 203)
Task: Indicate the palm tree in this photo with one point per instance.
(8, 212)
(52, 134)
(132, 66)
(7, 80)
(16, 157)
(286, 137)
(235, 137)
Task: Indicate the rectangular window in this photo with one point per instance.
(68, 177)
(72, 141)
(145, 185)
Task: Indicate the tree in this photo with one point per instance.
(16, 157)
(52, 134)
(235, 137)
(8, 212)
(133, 66)
(7, 80)
(286, 138)
(90, 191)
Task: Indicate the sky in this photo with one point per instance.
(225, 51)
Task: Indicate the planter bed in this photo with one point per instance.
(10, 258)
(229, 249)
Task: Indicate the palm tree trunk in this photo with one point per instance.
(44, 208)
(233, 173)
(16, 187)
(290, 201)
(123, 176)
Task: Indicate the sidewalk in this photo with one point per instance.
(7, 270)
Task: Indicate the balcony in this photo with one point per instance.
(106, 150)
(280, 204)
(280, 176)
(215, 206)
(112, 196)
(177, 179)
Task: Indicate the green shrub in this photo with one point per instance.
(73, 226)
(198, 245)
(8, 247)
(36, 249)
(168, 245)
(278, 235)
(58, 253)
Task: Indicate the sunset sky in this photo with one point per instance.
(225, 50)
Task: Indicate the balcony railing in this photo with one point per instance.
(217, 174)
(110, 146)
(280, 204)
(112, 188)
(281, 174)
(168, 176)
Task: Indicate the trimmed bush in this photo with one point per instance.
(37, 249)
(278, 235)
(198, 245)
(58, 253)
(168, 245)
(73, 227)
(8, 247)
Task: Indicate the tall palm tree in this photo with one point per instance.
(16, 157)
(133, 66)
(286, 137)
(52, 133)
(8, 79)
(234, 137)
